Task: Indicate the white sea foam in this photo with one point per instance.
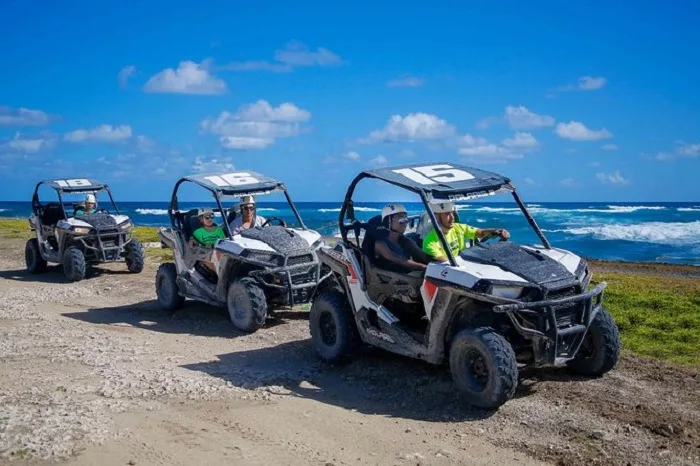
(534, 205)
(4, 210)
(152, 211)
(357, 209)
(648, 232)
(266, 209)
(688, 209)
(611, 209)
(629, 208)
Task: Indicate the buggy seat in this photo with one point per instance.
(51, 213)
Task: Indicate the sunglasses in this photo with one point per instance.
(249, 207)
(402, 220)
(208, 217)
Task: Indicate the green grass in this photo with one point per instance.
(658, 316)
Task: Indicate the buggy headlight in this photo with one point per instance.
(318, 243)
(125, 225)
(81, 230)
(509, 292)
(262, 256)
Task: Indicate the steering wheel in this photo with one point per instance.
(280, 222)
(492, 235)
(102, 211)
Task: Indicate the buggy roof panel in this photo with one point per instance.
(236, 183)
(440, 179)
(75, 185)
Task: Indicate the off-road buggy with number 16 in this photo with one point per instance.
(250, 273)
(484, 312)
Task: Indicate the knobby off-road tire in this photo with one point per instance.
(32, 257)
(332, 326)
(600, 349)
(483, 367)
(74, 264)
(247, 305)
(134, 256)
(166, 287)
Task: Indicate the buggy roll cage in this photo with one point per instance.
(265, 186)
(70, 187)
(442, 191)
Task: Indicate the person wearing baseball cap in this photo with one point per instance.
(393, 251)
(456, 234)
(89, 207)
(248, 217)
(209, 233)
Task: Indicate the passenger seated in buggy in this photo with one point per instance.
(209, 232)
(392, 250)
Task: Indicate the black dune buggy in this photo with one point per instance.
(493, 307)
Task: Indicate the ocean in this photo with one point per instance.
(648, 232)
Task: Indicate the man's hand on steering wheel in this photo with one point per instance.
(280, 222)
(503, 234)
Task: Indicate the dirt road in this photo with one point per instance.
(95, 373)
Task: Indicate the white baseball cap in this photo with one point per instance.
(443, 207)
(247, 200)
(391, 209)
(204, 211)
(90, 198)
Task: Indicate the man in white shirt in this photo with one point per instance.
(247, 217)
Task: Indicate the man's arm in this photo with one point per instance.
(432, 247)
(482, 233)
(381, 248)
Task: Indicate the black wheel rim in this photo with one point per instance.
(475, 369)
(329, 333)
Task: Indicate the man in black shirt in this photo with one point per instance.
(393, 251)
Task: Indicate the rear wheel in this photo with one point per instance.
(600, 348)
(483, 366)
(247, 305)
(133, 254)
(166, 287)
(332, 326)
(74, 264)
(32, 257)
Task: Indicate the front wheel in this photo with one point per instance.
(600, 348)
(247, 305)
(133, 255)
(483, 366)
(74, 264)
(166, 287)
(332, 327)
(32, 257)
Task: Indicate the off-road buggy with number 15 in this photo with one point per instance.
(484, 312)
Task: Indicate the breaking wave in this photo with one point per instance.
(655, 232)
(152, 211)
(4, 210)
(688, 209)
(537, 209)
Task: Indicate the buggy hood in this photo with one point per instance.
(283, 240)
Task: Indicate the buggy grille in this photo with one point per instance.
(569, 313)
(303, 259)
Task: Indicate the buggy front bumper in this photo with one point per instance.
(298, 281)
(555, 340)
(107, 246)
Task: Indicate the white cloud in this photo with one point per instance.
(480, 147)
(663, 157)
(577, 131)
(522, 118)
(188, 78)
(145, 144)
(102, 133)
(23, 117)
(585, 83)
(689, 150)
(414, 126)
(612, 178)
(352, 155)
(124, 75)
(568, 182)
(379, 161)
(521, 140)
(609, 147)
(297, 54)
(407, 81)
(244, 143)
(204, 165)
(28, 145)
(486, 123)
(256, 125)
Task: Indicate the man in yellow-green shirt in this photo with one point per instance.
(456, 234)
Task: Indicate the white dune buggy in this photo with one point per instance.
(251, 273)
(78, 241)
(484, 312)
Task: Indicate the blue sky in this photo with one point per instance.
(575, 101)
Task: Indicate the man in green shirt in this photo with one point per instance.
(456, 234)
(89, 207)
(208, 233)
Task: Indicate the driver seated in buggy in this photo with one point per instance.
(456, 234)
(248, 216)
(86, 208)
